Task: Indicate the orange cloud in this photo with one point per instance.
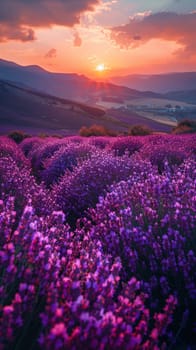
(20, 33)
(51, 53)
(77, 42)
(168, 26)
(18, 17)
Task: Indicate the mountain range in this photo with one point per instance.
(159, 83)
(34, 111)
(65, 85)
(35, 99)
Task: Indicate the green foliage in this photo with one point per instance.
(43, 135)
(185, 126)
(139, 130)
(96, 130)
(17, 135)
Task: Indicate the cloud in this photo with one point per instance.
(77, 42)
(20, 33)
(51, 53)
(167, 26)
(18, 18)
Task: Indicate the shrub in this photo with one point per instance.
(65, 293)
(29, 144)
(160, 157)
(124, 277)
(188, 123)
(8, 148)
(66, 158)
(96, 130)
(123, 145)
(139, 130)
(18, 136)
(185, 126)
(44, 151)
(81, 189)
(75, 139)
(100, 141)
(167, 149)
(150, 225)
(21, 185)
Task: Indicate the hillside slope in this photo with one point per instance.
(73, 86)
(31, 110)
(20, 107)
(188, 96)
(161, 83)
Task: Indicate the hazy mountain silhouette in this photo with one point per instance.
(27, 109)
(74, 86)
(20, 106)
(188, 96)
(33, 97)
(160, 83)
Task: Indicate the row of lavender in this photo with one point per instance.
(97, 246)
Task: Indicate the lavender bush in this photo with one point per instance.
(65, 291)
(81, 189)
(128, 145)
(151, 226)
(44, 151)
(20, 184)
(165, 148)
(160, 156)
(29, 144)
(9, 148)
(66, 158)
(100, 142)
(123, 277)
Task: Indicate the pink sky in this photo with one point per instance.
(77, 36)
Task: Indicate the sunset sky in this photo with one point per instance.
(100, 38)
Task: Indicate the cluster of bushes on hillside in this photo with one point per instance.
(96, 130)
(140, 130)
(99, 130)
(97, 245)
(17, 135)
(185, 127)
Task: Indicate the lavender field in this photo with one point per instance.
(98, 243)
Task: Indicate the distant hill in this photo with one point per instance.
(159, 83)
(33, 111)
(21, 107)
(31, 97)
(71, 86)
(188, 96)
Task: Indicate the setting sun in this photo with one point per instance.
(100, 67)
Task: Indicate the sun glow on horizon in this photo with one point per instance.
(100, 68)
